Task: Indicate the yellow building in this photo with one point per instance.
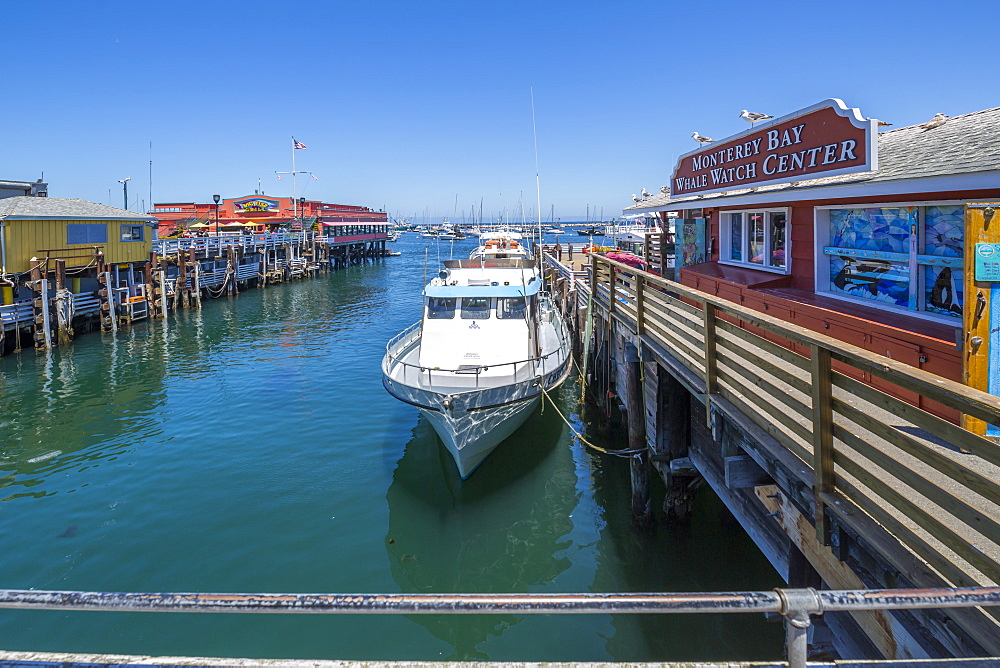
(71, 229)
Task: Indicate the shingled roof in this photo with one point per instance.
(965, 144)
(61, 208)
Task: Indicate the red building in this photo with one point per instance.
(260, 213)
(820, 220)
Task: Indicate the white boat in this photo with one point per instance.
(490, 340)
(634, 228)
(501, 245)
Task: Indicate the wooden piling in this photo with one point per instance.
(674, 420)
(106, 298)
(639, 462)
(181, 290)
(195, 289)
(148, 274)
(64, 306)
(40, 308)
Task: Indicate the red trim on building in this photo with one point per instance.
(262, 212)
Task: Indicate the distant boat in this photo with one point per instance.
(556, 230)
(591, 232)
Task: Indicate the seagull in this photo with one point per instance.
(701, 139)
(752, 117)
(665, 190)
(646, 194)
(636, 199)
(883, 124)
(936, 122)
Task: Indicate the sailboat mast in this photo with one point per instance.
(538, 188)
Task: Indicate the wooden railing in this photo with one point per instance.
(866, 455)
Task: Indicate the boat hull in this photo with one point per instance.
(472, 424)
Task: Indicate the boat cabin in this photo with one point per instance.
(479, 313)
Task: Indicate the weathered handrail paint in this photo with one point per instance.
(777, 601)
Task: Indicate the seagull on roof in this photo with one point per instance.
(936, 122)
(646, 194)
(883, 124)
(665, 190)
(701, 139)
(636, 199)
(752, 117)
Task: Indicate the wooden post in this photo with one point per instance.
(195, 290)
(64, 305)
(40, 307)
(181, 291)
(711, 364)
(163, 294)
(635, 412)
(674, 422)
(148, 272)
(109, 315)
(640, 308)
(822, 435)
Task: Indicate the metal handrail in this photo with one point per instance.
(798, 606)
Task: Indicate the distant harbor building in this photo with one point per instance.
(872, 238)
(23, 188)
(258, 214)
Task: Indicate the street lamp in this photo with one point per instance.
(124, 183)
(216, 198)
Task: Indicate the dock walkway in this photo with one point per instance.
(869, 489)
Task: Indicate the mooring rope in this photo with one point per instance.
(579, 436)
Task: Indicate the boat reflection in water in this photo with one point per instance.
(502, 532)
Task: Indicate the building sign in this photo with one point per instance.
(988, 263)
(256, 204)
(822, 140)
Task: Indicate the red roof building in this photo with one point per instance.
(259, 213)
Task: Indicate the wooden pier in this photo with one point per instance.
(90, 293)
(839, 483)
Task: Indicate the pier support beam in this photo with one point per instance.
(639, 462)
(40, 307)
(64, 306)
(181, 290)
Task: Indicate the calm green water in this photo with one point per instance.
(250, 447)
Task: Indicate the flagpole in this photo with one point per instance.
(295, 205)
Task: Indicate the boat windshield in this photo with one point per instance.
(441, 308)
(475, 308)
(511, 308)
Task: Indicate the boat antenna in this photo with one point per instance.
(538, 189)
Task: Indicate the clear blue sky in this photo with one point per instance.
(406, 105)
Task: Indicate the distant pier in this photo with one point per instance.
(69, 293)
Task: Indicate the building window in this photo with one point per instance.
(77, 233)
(132, 232)
(906, 257)
(755, 239)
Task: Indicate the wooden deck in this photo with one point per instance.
(923, 493)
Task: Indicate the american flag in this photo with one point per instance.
(297, 144)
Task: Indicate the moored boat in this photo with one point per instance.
(490, 341)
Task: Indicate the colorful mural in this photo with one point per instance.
(873, 253)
